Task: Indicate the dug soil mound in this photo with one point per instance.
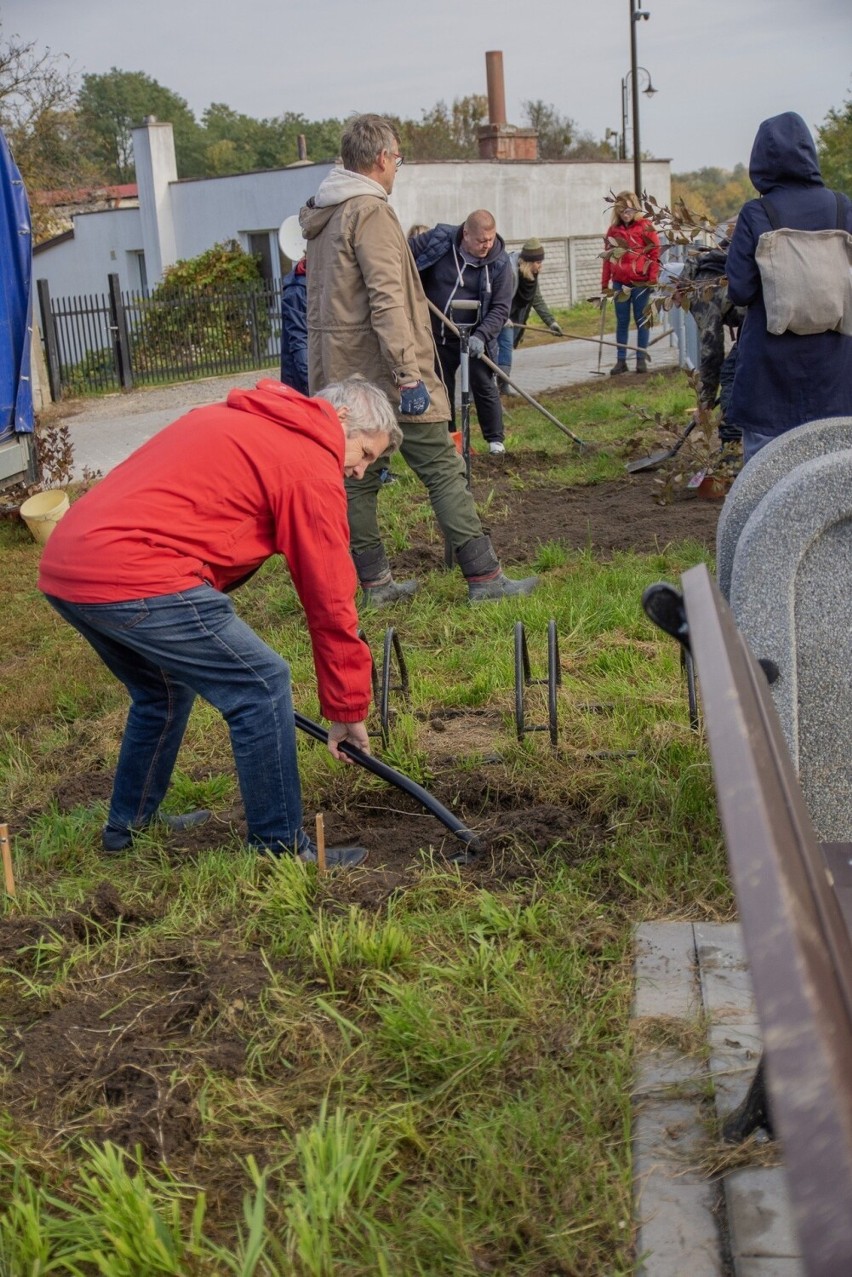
(602, 517)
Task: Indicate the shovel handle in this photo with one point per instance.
(495, 368)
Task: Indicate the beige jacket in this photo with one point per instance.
(367, 311)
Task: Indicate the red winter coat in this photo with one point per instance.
(209, 499)
(636, 260)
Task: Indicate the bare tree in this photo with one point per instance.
(37, 99)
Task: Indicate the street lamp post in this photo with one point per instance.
(636, 13)
(649, 92)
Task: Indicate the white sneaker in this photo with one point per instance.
(496, 448)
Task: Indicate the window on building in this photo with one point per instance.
(260, 245)
(137, 272)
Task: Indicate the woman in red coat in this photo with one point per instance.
(631, 266)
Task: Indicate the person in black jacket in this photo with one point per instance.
(469, 263)
(784, 380)
(714, 313)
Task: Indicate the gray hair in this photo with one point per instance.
(363, 141)
(370, 412)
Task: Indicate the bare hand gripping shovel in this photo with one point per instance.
(470, 841)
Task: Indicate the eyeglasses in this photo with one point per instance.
(398, 160)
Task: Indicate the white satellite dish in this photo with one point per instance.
(290, 238)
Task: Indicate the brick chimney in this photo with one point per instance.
(497, 139)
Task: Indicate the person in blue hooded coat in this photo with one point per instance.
(783, 381)
(294, 329)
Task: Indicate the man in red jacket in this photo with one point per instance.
(141, 566)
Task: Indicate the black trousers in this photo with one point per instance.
(483, 386)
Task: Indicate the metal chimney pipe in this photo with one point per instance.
(496, 87)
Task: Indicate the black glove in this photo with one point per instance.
(476, 347)
(414, 400)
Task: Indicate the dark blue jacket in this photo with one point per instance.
(488, 281)
(783, 381)
(294, 330)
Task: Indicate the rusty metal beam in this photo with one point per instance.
(796, 938)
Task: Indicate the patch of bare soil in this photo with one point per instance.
(603, 517)
(123, 1057)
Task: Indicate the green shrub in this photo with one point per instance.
(211, 307)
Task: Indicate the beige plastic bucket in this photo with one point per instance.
(42, 512)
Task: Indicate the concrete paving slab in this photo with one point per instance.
(733, 1033)
(687, 1224)
(774, 1267)
(665, 971)
(675, 1206)
(760, 1215)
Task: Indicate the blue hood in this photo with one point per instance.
(783, 152)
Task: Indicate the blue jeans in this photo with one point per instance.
(753, 441)
(505, 346)
(636, 300)
(169, 649)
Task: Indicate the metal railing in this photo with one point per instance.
(117, 340)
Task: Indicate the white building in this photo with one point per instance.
(563, 203)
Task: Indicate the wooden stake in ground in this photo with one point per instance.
(321, 842)
(6, 851)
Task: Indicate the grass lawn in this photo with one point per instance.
(214, 1063)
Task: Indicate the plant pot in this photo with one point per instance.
(714, 487)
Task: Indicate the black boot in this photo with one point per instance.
(485, 578)
(619, 367)
(641, 363)
(336, 857)
(377, 583)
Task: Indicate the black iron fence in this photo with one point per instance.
(118, 340)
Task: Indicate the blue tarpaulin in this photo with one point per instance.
(16, 271)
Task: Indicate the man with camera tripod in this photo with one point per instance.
(469, 263)
(367, 313)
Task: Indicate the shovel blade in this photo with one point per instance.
(649, 463)
(665, 454)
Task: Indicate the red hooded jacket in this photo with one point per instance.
(208, 500)
(637, 257)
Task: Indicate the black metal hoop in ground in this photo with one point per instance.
(663, 605)
(688, 666)
(392, 648)
(524, 679)
(381, 682)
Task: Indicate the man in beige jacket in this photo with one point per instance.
(367, 314)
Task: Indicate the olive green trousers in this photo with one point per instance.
(429, 449)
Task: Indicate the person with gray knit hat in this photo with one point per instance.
(526, 297)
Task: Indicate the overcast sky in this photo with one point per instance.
(720, 66)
